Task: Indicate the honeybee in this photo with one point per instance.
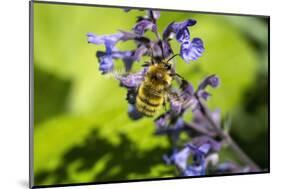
(153, 92)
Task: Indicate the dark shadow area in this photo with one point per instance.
(50, 95)
(126, 155)
(250, 124)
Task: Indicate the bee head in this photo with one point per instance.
(157, 76)
(167, 66)
(159, 73)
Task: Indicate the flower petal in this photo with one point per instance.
(144, 25)
(180, 158)
(205, 148)
(106, 64)
(180, 29)
(161, 49)
(95, 39)
(176, 106)
(183, 35)
(139, 52)
(168, 32)
(92, 38)
(192, 50)
(128, 35)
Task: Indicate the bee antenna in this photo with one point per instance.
(172, 57)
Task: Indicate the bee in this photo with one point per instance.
(153, 91)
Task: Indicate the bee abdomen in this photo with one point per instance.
(148, 102)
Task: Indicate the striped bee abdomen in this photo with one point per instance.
(149, 100)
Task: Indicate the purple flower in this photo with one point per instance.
(180, 101)
(128, 35)
(162, 121)
(176, 106)
(184, 100)
(198, 150)
(140, 51)
(106, 60)
(108, 40)
(179, 29)
(165, 125)
(161, 49)
(191, 50)
(144, 25)
(180, 158)
(211, 80)
(106, 64)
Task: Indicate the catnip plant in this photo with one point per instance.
(199, 155)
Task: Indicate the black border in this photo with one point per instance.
(31, 96)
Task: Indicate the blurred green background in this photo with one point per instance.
(82, 132)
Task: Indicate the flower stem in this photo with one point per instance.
(232, 144)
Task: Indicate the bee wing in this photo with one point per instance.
(132, 80)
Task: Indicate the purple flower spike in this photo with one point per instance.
(192, 50)
(144, 25)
